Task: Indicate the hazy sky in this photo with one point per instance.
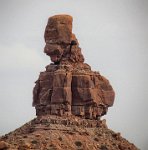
(113, 35)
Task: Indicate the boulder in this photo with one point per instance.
(3, 145)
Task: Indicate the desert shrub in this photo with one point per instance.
(96, 139)
(60, 138)
(34, 142)
(103, 147)
(78, 143)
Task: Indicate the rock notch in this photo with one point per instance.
(69, 86)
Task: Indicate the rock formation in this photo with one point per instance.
(69, 99)
(69, 86)
(64, 133)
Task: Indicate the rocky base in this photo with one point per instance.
(69, 133)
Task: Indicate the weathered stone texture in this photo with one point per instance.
(69, 86)
(64, 133)
(69, 99)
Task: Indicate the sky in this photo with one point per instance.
(113, 36)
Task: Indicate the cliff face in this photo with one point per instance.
(69, 99)
(69, 86)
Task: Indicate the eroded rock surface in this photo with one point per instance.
(69, 86)
(69, 99)
(65, 133)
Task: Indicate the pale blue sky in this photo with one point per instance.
(113, 36)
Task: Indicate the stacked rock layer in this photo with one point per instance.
(69, 99)
(69, 86)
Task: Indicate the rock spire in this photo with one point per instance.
(69, 99)
(69, 86)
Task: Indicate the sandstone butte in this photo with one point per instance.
(69, 99)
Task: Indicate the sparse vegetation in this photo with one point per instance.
(96, 139)
(78, 143)
(60, 138)
(34, 142)
(103, 147)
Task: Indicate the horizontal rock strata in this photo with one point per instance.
(69, 86)
(69, 133)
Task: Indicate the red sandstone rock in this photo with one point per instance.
(61, 44)
(3, 145)
(65, 133)
(59, 29)
(69, 99)
(69, 86)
